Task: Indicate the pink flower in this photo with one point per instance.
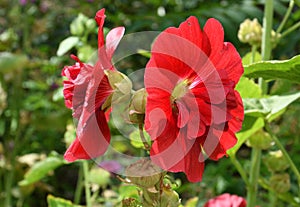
(86, 90)
(192, 109)
(226, 200)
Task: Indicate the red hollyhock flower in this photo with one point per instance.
(226, 200)
(192, 109)
(86, 90)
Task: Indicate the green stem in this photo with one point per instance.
(284, 152)
(79, 185)
(240, 169)
(266, 54)
(286, 16)
(291, 29)
(267, 29)
(273, 199)
(86, 183)
(253, 52)
(141, 130)
(254, 175)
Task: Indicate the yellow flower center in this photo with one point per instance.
(180, 90)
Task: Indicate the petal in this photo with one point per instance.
(177, 154)
(217, 142)
(158, 112)
(112, 40)
(75, 151)
(223, 55)
(237, 114)
(100, 18)
(215, 33)
(93, 138)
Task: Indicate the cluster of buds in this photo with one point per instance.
(277, 164)
(149, 178)
(251, 32)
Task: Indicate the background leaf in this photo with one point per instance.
(275, 69)
(268, 107)
(41, 169)
(59, 202)
(66, 45)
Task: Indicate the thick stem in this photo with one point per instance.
(267, 29)
(266, 54)
(86, 184)
(254, 175)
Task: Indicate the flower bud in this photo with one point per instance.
(250, 32)
(137, 106)
(169, 197)
(280, 182)
(90, 24)
(260, 140)
(121, 85)
(275, 161)
(77, 27)
(144, 173)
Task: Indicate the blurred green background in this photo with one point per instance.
(34, 120)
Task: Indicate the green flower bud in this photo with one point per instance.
(169, 198)
(260, 140)
(77, 27)
(250, 32)
(137, 106)
(121, 86)
(280, 182)
(90, 25)
(275, 161)
(144, 173)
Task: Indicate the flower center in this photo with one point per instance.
(180, 90)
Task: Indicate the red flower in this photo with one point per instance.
(226, 200)
(192, 109)
(86, 90)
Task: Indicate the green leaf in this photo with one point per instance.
(135, 139)
(59, 202)
(268, 107)
(66, 45)
(247, 59)
(40, 169)
(250, 126)
(275, 69)
(248, 89)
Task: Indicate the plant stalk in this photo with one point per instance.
(79, 186)
(86, 183)
(286, 16)
(285, 153)
(254, 175)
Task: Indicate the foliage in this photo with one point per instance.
(36, 38)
